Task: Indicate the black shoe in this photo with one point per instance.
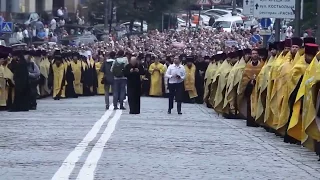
(122, 108)
(169, 111)
(33, 108)
(115, 108)
(180, 113)
(107, 107)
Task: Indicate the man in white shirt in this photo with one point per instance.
(53, 24)
(60, 12)
(176, 74)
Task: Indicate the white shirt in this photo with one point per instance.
(174, 70)
(26, 33)
(53, 24)
(60, 12)
(19, 36)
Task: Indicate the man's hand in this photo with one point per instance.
(136, 70)
(131, 70)
(177, 76)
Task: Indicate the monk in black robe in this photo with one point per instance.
(133, 71)
(21, 90)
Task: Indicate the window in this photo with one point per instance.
(223, 24)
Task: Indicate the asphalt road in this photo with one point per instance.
(78, 139)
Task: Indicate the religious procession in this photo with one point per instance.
(70, 72)
(275, 88)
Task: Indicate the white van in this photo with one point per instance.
(228, 23)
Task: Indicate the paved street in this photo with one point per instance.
(78, 139)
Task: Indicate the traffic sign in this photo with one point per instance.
(204, 2)
(265, 22)
(7, 27)
(248, 7)
(265, 32)
(215, 2)
(283, 9)
(271, 39)
(255, 38)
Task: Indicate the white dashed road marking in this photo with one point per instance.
(69, 163)
(88, 169)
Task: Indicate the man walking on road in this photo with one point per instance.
(120, 81)
(108, 76)
(176, 74)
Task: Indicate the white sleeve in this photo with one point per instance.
(183, 73)
(168, 72)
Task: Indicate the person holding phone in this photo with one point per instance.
(176, 74)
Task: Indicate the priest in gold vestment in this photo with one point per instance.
(248, 81)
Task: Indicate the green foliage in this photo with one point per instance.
(309, 14)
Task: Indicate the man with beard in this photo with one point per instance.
(247, 84)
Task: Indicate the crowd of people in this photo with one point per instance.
(275, 88)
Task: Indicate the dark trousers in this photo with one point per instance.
(134, 94)
(175, 93)
(33, 96)
(119, 91)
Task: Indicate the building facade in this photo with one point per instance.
(30, 6)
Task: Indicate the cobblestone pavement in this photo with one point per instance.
(55, 143)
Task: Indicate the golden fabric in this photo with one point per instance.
(310, 122)
(290, 73)
(44, 67)
(208, 75)
(221, 88)
(232, 83)
(249, 73)
(58, 78)
(190, 80)
(272, 110)
(260, 91)
(156, 70)
(77, 73)
(215, 81)
(100, 75)
(5, 73)
(295, 129)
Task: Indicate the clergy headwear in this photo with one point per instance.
(190, 59)
(273, 46)
(296, 41)
(223, 56)
(280, 45)
(263, 52)
(240, 53)
(182, 57)
(232, 55)
(287, 43)
(247, 51)
(206, 57)
(37, 53)
(307, 40)
(311, 49)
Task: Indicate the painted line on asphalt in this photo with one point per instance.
(69, 163)
(88, 169)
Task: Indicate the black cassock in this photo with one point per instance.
(200, 66)
(89, 79)
(70, 92)
(134, 87)
(21, 89)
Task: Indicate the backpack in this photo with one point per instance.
(118, 69)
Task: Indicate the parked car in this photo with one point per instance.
(228, 24)
(78, 40)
